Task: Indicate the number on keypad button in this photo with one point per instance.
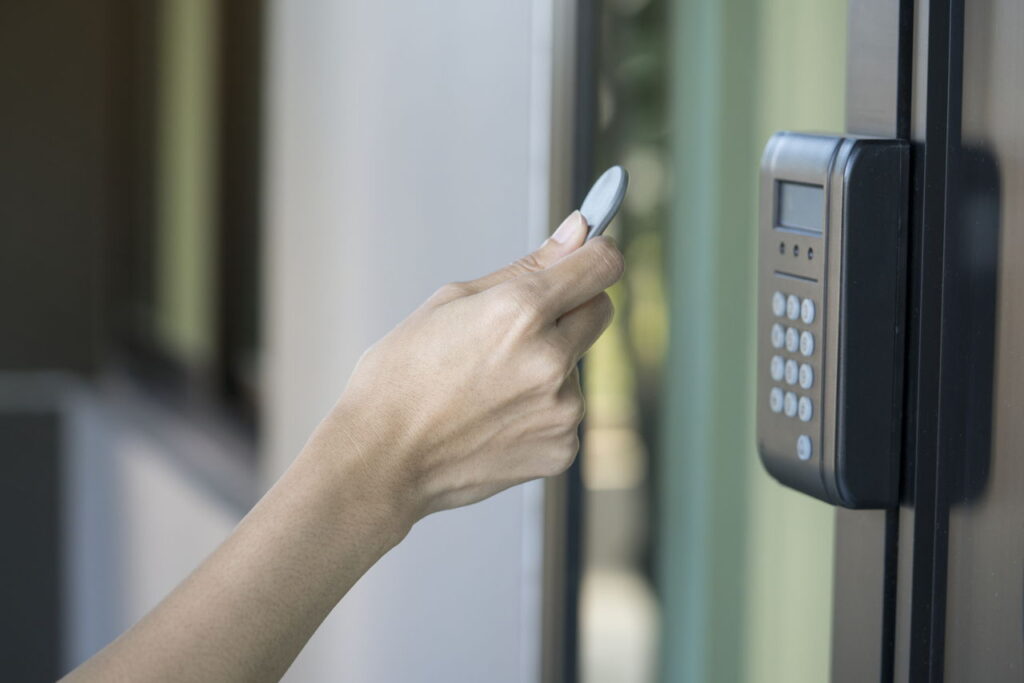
(778, 304)
(775, 400)
(803, 447)
(806, 343)
(791, 372)
(807, 311)
(789, 404)
(778, 336)
(806, 376)
(792, 307)
(792, 340)
(805, 409)
(777, 368)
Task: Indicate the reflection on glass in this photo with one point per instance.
(619, 616)
(697, 566)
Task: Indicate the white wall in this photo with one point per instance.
(149, 494)
(408, 146)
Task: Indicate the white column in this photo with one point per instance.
(407, 148)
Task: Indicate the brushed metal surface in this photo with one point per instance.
(797, 275)
(985, 580)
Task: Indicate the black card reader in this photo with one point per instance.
(831, 290)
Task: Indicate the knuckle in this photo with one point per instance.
(528, 263)
(551, 367)
(568, 416)
(605, 307)
(523, 300)
(451, 292)
(561, 456)
(575, 411)
(609, 257)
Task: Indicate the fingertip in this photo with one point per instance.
(607, 239)
(572, 231)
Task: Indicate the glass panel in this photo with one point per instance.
(618, 608)
(697, 565)
(186, 139)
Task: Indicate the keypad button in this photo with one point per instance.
(806, 343)
(803, 447)
(775, 400)
(778, 336)
(806, 376)
(807, 311)
(789, 404)
(778, 304)
(805, 409)
(792, 340)
(791, 371)
(777, 368)
(792, 307)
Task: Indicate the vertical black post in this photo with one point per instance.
(584, 139)
(934, 325)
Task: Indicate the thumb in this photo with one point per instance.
(569, 236)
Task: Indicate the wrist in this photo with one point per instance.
(362, 466)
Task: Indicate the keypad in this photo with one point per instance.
(792, 367)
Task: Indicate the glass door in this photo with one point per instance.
(696, 565)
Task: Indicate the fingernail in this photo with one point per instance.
(569, 228)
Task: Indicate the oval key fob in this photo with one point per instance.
(602, 202)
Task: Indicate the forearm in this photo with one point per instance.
(248, 610)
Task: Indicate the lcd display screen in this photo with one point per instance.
(801, 206)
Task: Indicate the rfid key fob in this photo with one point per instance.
(603, 200)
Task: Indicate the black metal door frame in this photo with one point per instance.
(904, 79)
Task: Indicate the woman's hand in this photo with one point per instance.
(478, 389)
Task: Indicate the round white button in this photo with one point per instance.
(805, 409)
(803, 447)
(792, 340)
(778, 303)
(775, 400)
(792, 307)
(807, 311)
(789, 404)
(777, 368)
(778, 336)
(791, 372)
(806, 343)
(806, 376)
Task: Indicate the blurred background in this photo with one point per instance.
(209, 208)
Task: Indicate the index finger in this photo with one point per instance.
(569, 236)
(579, 277)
